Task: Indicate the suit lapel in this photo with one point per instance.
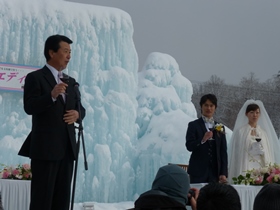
(217, 137)
(214, 131)
(202, 125)
(49, 76)
(62, 100)
(51, 80)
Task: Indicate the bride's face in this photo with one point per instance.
(253, 116)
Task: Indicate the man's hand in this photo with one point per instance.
(71, 116)
(58, 89)
(222, 179)
(207, 135)
(193, 199)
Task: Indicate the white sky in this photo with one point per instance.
(222, 37)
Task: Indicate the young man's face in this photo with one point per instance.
(61, 58)
(208, 109)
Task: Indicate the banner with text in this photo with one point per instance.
(12, 76)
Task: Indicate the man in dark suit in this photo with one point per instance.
(51, 144)
(208, 161)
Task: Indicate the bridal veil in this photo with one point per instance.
(235, 148)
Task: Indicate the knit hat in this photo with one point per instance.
(174, 181)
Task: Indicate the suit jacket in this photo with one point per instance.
(50, 135)
(199, 159)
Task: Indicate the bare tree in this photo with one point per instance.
(249, 85)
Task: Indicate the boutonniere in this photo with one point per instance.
(219, 127)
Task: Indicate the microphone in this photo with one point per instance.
(76, 88)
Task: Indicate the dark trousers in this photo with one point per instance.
(51, 183)
(210, 176)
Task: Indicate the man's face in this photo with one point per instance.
(208, 109)
(61, 58)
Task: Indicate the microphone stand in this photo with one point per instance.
(80, 134)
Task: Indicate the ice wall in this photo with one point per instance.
(105, 63)
(164, 110)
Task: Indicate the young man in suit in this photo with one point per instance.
(208, 161)
(51, 144)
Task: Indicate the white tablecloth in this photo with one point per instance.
(247, 194)
(15, 194)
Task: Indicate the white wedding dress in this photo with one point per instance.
(245, 152)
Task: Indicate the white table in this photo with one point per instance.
(247, 194)
(15, 194)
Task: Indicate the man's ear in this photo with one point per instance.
(51, 53)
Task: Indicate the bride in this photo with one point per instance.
(254, 143)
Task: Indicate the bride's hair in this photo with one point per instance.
(252, 107)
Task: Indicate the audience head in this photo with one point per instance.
(1, 206)
(217, 196)
(268, 198)
(169, 190)
(174, 181)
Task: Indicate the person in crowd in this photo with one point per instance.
(170, 191)
(268, 198)
(206, 140)
(1, 206)
(51, 144)
(218, 196)
(254, 143)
